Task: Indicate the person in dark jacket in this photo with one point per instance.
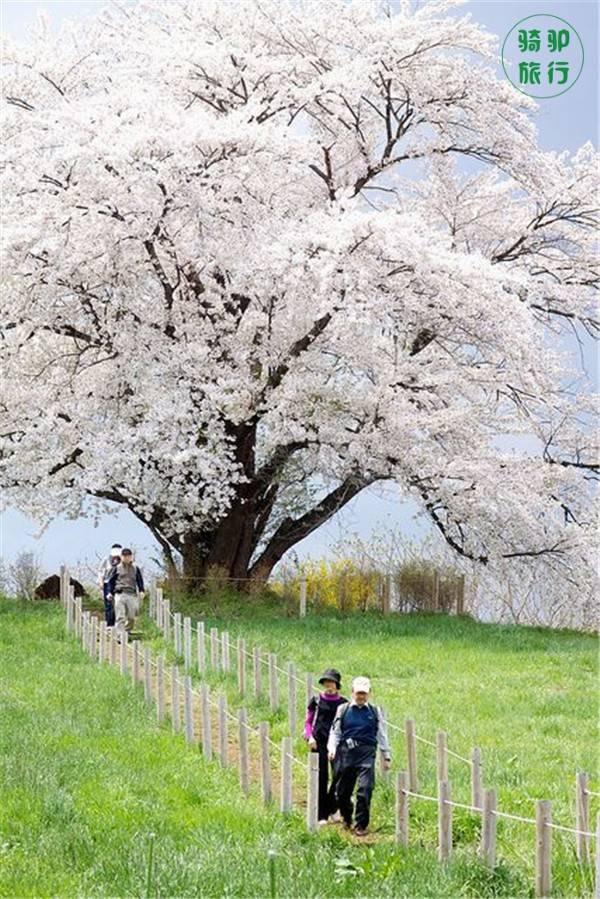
(319, 718)
(357, 731)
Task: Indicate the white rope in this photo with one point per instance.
(420, 796)
(513, 817)
(584, 833)
(469, 808)
(591, 792)
(423, 740)
(457, 756)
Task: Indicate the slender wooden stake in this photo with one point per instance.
(303, 597)
(94, 637)
(214, 649)
(160, 689)
(387, 595)
(265, 765)
(177, 633)
(223, 735)
(444, 821)
(205, 717)
(84, 625)
(226, 662)
(241, 665)
(78, 618)
(597, 866)
(312, 799)
(135, 674)
(543, 844)
(113, 646)
(411, 754)
(201, 636)
(476, 797)
(187, 643)
(442, 756)
(256, 671)
(167, 621)
(291, 674)
(160, 609)
(402, 800)
(124, 643)
(488, 829)
(460, 601)
(383, 771)
(175, 708)
(436, 591)
(152, 601)
(63, 585)
(187, 709)
(310, 690)
(273, 684)
(102, 646)
(286, 775)
(147, 674)
(582, 817)
(244, 762)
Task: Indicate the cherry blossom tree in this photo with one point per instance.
(256, 263)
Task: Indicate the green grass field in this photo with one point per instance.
(88, 776)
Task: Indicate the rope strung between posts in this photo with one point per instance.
(584, 833)
(591, 792)
(513, 817)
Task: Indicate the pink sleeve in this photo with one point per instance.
(310, 717)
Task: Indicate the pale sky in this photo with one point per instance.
(564, 122)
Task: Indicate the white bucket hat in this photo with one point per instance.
(361, 685)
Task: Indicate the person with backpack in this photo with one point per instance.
(126, 586)
(319, 718)
(106, 569)
(358, 730)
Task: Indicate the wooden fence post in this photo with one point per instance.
(201, 647)
(84, 627)
(241, 666)
(78, 618)
(147, 674)
(214, 649)
(597, 865)
(93, 647)
(102, 645)
(411, 755)
(488, 829)
(177, 633)
(167, 621)
(223, 734)
(402, 800)
(436, 591)
(286, 775)
(543, 847)
(160, 689)
(187, 644)
(244, 763)
(310, 690)
(225, 659)
(113, 646)
(441, 755)
(265, 765)
(387, 595)
(273, 684)
(291, 675)
(444, 821)
(476, 799)
(460, 599)
(205, 718)
(256, 672)
(303, 597)
(63, 585)
(582, 817)
(124, 642)
(187, 709)
(312, 799)
(160, 608)
(175, 707)
(135, 672)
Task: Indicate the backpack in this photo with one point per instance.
(346, 705)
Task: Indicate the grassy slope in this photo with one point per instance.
(527, 697)
(87, 775)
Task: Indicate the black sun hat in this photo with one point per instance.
(331, 674)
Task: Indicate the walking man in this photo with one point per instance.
(106, 569)
(358, 729)
(126, 585)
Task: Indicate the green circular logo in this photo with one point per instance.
(542, 56)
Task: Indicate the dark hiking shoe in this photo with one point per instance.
(360, 832)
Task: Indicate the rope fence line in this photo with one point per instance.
(94, 640)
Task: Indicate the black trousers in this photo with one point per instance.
(327, 784)
(356, 766)
(109, 609)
